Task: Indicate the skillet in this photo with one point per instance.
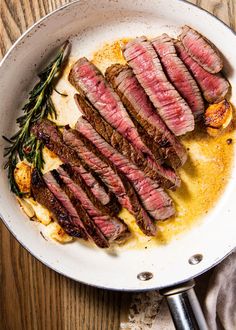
(160, 267)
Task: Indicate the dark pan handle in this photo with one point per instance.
(184, 307)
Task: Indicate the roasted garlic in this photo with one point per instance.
(54, 231)
(22, 174)
(218, 117)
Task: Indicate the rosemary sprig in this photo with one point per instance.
(23, 144)
(62, 94)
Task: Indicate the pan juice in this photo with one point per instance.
(204, 178)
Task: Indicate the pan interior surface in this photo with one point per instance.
(91, 25)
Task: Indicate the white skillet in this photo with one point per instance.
(96, 22)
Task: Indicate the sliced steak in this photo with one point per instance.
(92, 229)
(142, 218)
(76, 141)
(74, 207)
(87, 79)
(112, 228)
(173, 109)
(52, 138)
(105, 168)
(54, 187)
(213, 86)
(201, 50)
(141, 108)
(45, 197)
(79, 180)
(96, 186)
(164, 175)
(178, 73)
(154, 199)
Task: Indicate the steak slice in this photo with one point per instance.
(52, 138)
(76, 141)
(152, 196)
(62, 193)
(164, 175)
(83, 146)
(172, 108)
(142, 218)
(89, 81)
(113, 228)
(98, 189)
(45, 197)
(178, 73)
(213, 86)
(141, 108)
(201, 50)
(78, 179)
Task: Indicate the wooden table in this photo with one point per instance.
(33, 297)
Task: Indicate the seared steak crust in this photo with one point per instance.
(152, 196)
(165, 176)
(52, 138)
(93, 231)
(136, 101)
(113, 228)
(78, 179)
(44, 196)
(61, 196)
(91, 83)
(98, 164)
(128, 198)
(172, 108)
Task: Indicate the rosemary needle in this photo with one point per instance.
(23, 144)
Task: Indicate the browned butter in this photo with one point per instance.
(204, 176)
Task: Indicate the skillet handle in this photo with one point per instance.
(184, 307)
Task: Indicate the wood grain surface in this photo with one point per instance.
(33, 297)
